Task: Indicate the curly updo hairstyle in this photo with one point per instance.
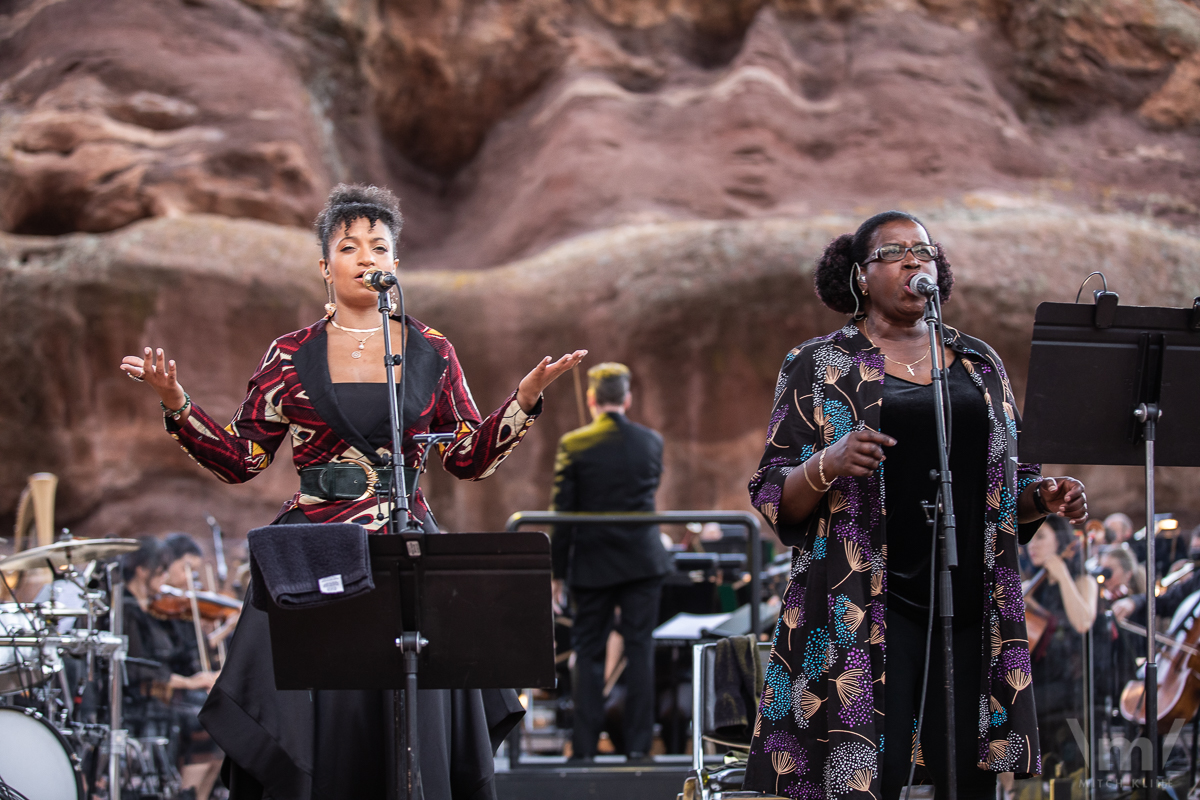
(833, 274)
(350, 201)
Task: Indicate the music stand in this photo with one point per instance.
(483, 605)
(1106, 385)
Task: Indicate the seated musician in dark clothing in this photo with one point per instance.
(161, 662)
(1134, 608)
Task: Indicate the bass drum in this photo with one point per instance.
(23, 668)
(35, 759)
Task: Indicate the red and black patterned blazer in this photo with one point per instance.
(292, 393)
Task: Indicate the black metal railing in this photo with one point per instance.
(745, 519)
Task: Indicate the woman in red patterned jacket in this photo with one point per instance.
(325, 386)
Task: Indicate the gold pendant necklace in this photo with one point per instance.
(362, 343)
(908, 367)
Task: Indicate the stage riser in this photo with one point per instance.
(578, 784)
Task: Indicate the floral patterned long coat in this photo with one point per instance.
(819, 733)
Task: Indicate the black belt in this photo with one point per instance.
(349, 480)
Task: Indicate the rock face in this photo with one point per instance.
(507, 125)
(703, 312)
(651, 179)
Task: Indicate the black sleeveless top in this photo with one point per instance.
(907, 415)
(365, 406)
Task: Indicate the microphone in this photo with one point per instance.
(920, 284)
(378, 280)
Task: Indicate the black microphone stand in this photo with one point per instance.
(401, 520)
(944, 526)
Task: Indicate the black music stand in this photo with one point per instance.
(449, 611)
(1106, 385)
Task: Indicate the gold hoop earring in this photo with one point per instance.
(331, 306)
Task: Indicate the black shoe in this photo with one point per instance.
(578, 760)
(638, 757)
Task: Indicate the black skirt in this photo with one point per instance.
(330, 745)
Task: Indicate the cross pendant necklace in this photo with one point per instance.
(908, 367)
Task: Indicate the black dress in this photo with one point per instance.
(1058, 682)
(338, 745)
(158, 648)
(907, 415)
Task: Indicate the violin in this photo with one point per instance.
(173, 603)
(1111, 594)
(1037, 619)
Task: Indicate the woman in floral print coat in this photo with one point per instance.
(843, 686)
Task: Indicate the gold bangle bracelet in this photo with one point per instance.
(804, 469)
(821, 471)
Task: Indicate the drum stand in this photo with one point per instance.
(90, 644)
(116, 682)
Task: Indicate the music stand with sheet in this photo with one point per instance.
(448, 611)
(1118, 385)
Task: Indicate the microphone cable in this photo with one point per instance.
(944, 399)
(912, 766)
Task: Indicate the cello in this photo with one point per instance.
(1178, 672)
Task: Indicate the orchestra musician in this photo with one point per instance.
(164, 665)
(1118, 528)
(1115, 649)
(201, 759)
(1067, 597)
(1187, 582)
(861, 566)
(323, 388)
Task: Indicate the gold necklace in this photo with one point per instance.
(362, 343)
(908, 367)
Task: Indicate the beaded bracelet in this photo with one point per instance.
(175, 415)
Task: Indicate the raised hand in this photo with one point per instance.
(544, 374)
(160, 374)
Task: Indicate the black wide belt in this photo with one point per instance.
(349, 480)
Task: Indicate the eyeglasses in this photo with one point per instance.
(895, 252)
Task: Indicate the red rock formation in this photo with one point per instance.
(127, 109)
(702, 311)
(509, 125)
(703, 151)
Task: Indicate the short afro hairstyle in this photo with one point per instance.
(350, 201)
(832, 275)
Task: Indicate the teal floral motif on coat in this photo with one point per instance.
(827, 670)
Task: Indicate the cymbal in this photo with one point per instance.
(66, 553)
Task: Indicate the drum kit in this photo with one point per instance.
(62, 678)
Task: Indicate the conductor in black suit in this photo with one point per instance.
(610, 465)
